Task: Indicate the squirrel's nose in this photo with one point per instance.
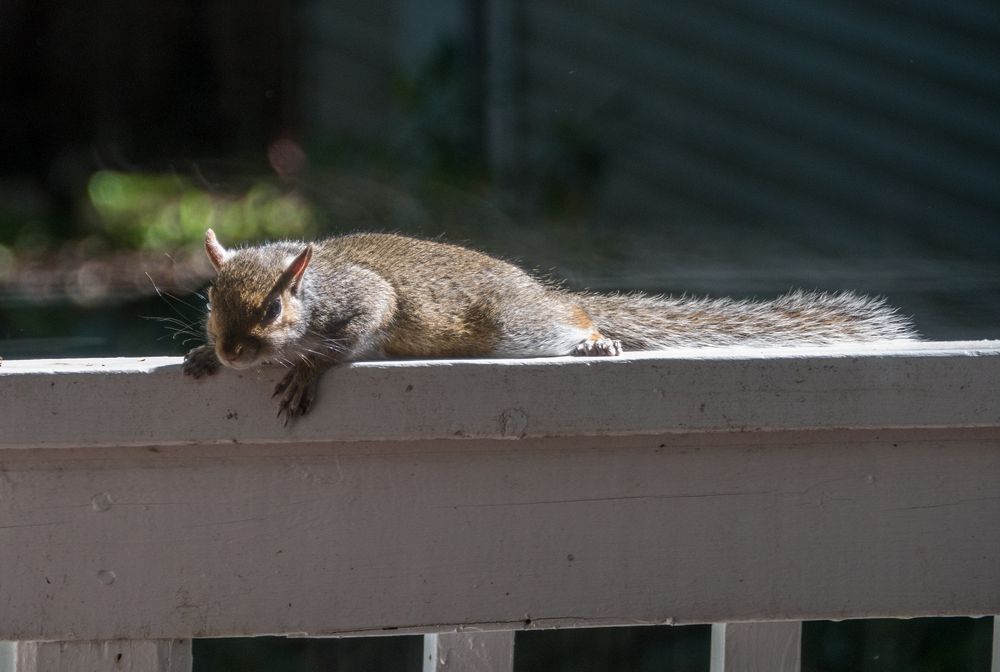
(237, 353)
(231, 351)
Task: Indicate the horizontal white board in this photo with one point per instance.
(434, 536)
(150, 402)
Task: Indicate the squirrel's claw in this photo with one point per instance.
(599, 347)
(299, 390)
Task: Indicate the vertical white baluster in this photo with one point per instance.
(996, 644)
(469, 652)
(757, 647)
(158, 655)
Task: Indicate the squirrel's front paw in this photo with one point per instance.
(298, 390)
(201, 361)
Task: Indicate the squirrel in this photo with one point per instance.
(360, 296)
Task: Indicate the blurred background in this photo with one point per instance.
(712, 147)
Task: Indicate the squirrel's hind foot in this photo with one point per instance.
(201, 361)
(599, 347)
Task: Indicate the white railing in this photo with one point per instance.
(468, 499)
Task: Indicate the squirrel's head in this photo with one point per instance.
(255, 310)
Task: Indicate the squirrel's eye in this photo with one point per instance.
(272, 312)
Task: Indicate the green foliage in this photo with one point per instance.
(150, 211)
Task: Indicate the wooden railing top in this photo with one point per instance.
(147, 401)
(672, 487)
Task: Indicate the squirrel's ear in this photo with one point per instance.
(292, 276)
(217, 254)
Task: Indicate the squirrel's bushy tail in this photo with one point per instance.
(644, 322)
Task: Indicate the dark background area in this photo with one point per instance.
(711, 147)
